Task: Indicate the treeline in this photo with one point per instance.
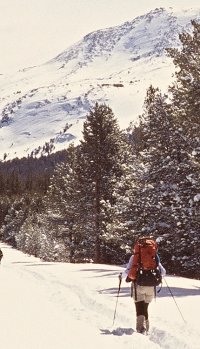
(28, 174)
(26, 177)
(118, 184)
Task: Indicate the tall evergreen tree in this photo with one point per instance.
(62, 206)
(102, 153)
(122, 226)
(27, 236)
(169, 183)
(186, 88)
(186, 110)
(14, 219)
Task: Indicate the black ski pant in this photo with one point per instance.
(142, 309)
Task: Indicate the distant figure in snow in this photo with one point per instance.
(1, 255)
(145, 272)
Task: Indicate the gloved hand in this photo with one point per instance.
(128, 279)
(120, 277)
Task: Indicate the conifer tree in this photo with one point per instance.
(186, 110)
(16, 215)
(62, 207)
(156, 129)
(186, 89)
(102, 153)
(165, 196)
(121, 230)
(27, 237)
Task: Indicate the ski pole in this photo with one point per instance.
(120, 281)
(174, 300)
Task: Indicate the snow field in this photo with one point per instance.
(61, 305)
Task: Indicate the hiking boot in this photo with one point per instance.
(141, 324)
(147, 325)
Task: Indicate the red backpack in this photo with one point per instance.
(145, 269)
(146, 248)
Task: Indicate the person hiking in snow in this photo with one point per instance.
(145, 271)
(1, 255)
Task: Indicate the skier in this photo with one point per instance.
(142, 293)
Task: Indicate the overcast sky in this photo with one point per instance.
(34, 31)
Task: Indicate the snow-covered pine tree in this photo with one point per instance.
(153, 154)
(121, 230)
(186, 88)
(28, 236)
(102, 154)
(159, 204)
(186, 110)
(16, 215)
(63, 207)
(4, 206)
(169, 200)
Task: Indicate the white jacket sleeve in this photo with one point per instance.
(128, 267)
(162, 269)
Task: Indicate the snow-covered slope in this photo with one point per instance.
(71, 306)
(113, 66)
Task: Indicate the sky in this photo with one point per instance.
(72, 306)
(33, 32)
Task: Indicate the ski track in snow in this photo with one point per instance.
(62, 305)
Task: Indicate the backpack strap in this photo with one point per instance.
(157, 259)
(139, 258)
(133, 285)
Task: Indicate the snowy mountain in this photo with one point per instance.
(71, 306)
(47, 104)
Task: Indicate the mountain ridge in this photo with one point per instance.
(43, 107)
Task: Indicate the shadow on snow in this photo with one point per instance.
(165, 292)
(118, 331)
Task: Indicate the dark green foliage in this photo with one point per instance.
(63, 207)
(14, 219)
(28, 174)
(102, 153)
(186, 110)
(169, 184)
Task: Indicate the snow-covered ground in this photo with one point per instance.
(60, 305)
(114, 66)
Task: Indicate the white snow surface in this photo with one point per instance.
(71, 306)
